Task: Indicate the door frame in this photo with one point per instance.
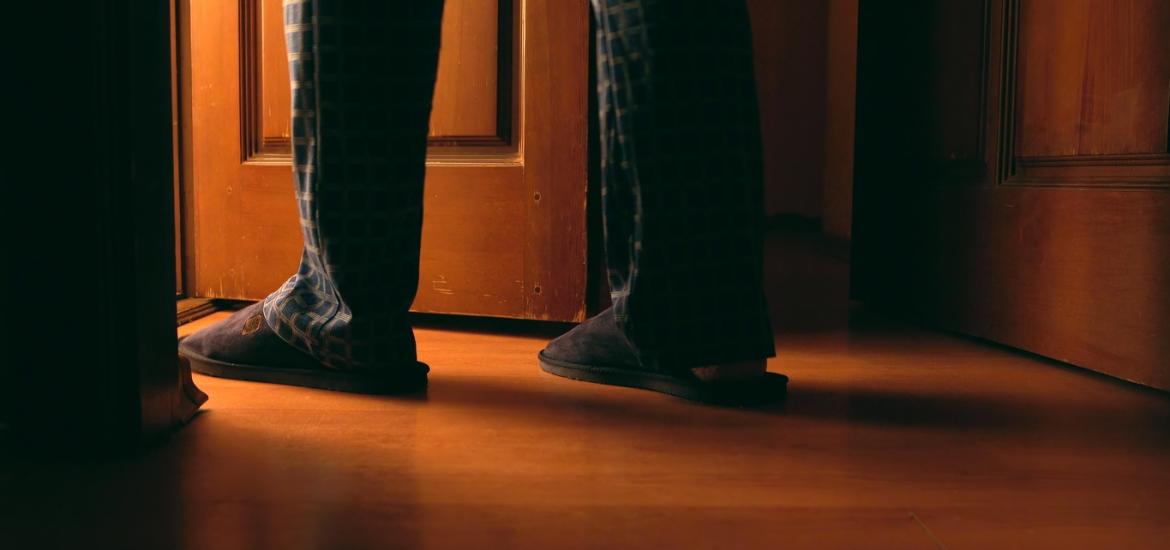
(90, 333)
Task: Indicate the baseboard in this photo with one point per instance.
(813, 229)
(192, 309)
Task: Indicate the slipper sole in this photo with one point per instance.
(756, 391)
(320, 379)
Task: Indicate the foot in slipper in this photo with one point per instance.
(243, 347)
(598, 351)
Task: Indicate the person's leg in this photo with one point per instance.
(363, 74)
(682, 203)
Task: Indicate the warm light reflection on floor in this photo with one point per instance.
(892, 438)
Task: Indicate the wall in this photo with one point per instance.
(789, 38)
(805, 64)
(840, 105)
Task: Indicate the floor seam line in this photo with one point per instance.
(927, 530)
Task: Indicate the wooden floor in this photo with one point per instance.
(892, 437)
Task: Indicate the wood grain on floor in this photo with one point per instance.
(892, 437)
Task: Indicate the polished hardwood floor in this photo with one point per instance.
(892, 437)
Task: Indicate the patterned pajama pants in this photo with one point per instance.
(681, 179)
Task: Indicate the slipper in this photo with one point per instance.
(243, 347)
(598, 351)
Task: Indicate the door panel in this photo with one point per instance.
(469, 63)
(465, 94)
(1055, 236)
(505, 209)
(1092, 77)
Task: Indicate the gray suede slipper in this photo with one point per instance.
(243, 347)
(598, 351)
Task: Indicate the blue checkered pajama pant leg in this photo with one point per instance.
(681, 183)
(362, 74)
(682, 191)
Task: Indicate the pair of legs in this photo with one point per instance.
(681, 201)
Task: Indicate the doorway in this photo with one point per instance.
(504, 233)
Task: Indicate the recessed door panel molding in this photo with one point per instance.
(506, 169)
(473, 103)
(473, 93)
(1089, 93)
(265, 119)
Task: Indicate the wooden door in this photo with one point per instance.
(1013, 174)
(504, 230)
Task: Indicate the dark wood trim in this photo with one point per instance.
(191, 309)
(1008, 41)
(439, 142)
(254, 146)
(1137, 171)
(186, 228)
(507, 102)
(250, 80)
(985, 68)
(176, 150)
